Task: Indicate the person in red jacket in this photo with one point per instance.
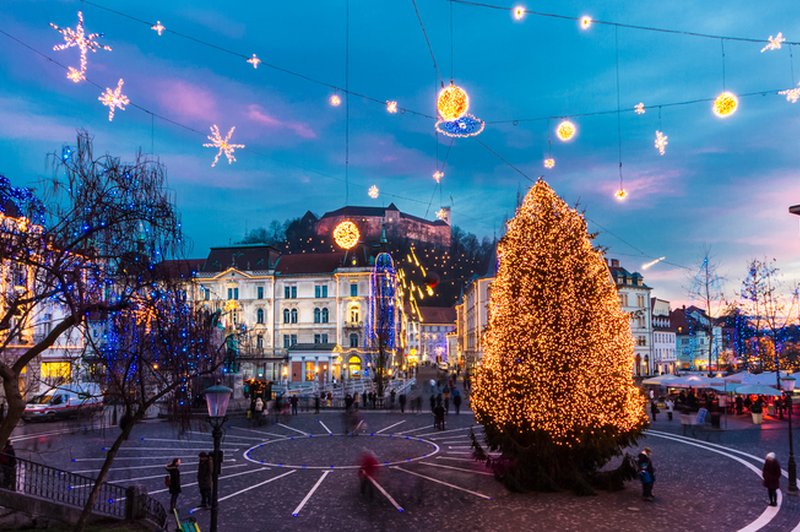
(368, 467)
(772, 478)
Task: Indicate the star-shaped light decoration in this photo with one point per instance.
(792, 95)
(86, 42)
(158, 27)
(441, 214)
(639, 108)
(255, 61)
(438, 175)
(661, 142)
(223, 145)
(391, 107)
(114, 99)
(373, 192)
(549, 163)
(774, 43)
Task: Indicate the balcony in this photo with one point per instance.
(354, 325)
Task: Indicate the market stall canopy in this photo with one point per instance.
(660, 380)
(757, 389)
(745, 377)
(694, 381)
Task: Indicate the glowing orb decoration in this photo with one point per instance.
(335, 100)
(621, 194)
(391, 107)
(255, 61)
(566, 131)
(549, 163)
(222, 144)
(792, 95)
(661, 142)
(452, 102)
(373, 192)
(774, 43)
(114, 99)
(438, 175)
(639, 108)
(518, 12)
(466, 126)
(346, 235)
(158, 27)
(725, 104)
(586, 22)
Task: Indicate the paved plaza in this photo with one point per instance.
(301, 474)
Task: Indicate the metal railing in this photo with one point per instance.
(70, 489)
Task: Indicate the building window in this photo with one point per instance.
(641, 341)
(260, 342)
(260, 315)
(354, 314)
(286, 344)
(354, 340)
(324, 315)
(623, 300)
(353, 289)
(354, 365)
(233, 293)
(206, 293)
(294, 339)
(286, 315)
(320, 338)
(640, 301)
(320, 291)
(294, 315)
(290, 292)
(317, 315)
(260, 291)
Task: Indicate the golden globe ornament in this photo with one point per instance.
(549, 163)
(346, 235)
(566, 131)
(452, 102)
(621, 194)
(725, 104)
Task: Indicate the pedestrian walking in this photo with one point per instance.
(402, 400)
(670, 405)
(367, 469)
(392, 396)
(8, 467)
(204, 478)
(258, 410)
(364, 398)
(457, 401)
(433, 402)
(173, 482)
(316, 404)
(294, 402)
(647, 473)
(771, 474)
(438, 417)
(653, 408)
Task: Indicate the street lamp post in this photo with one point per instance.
(217, 398)
(788, 387)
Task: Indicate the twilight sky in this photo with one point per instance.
(722, 184)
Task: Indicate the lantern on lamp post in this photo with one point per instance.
(217, 399)
(787, 385)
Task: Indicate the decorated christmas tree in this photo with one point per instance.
(555, 391)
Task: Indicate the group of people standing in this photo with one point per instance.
(205, 479)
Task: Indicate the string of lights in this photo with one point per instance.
(520, 12)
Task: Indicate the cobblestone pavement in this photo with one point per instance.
(299, 475)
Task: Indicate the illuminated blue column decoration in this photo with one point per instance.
(383, 312)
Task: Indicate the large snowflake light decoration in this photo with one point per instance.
(114, 99)
(437, 176)
(792, 95)
(441, 214)
(86, 42)
(774, 43)
(223, 145)
(661, 142)
(391, 107)
(639, 108)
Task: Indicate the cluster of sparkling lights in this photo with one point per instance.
(549, 163)
(255, 61)
(452, 102)
(85, 42)
(437, 176)
(374, 192)
(391, 107)
(555, 334)
(661, 142)
(158, 27)
(441, 214)
(792, 95)
(518, 12)
(566, 130)
(222, 144)
(463, 127)
(639, 108)
(346, 235)
(114, 99)
(335, 100)
(774, 42)
(586, 22)
(621, 194)
(725, 104)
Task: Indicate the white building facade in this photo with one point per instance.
(664, 346)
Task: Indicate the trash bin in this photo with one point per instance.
(715, 419)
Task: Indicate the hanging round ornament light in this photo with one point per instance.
(466, 126)
(549, 163)
(452, 102)
(725, 104)
(621, 194)
(566, 131)
(346, 235)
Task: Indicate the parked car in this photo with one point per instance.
(65, 401)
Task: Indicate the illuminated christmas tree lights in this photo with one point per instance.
(555, 391)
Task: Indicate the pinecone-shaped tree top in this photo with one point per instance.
(558, 354)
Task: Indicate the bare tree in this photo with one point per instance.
(99, 223)
(706, 290)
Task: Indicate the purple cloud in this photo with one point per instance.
(257, 114)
